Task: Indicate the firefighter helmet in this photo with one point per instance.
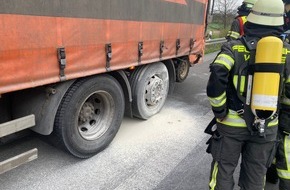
(267, 12)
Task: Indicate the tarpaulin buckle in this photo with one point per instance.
(140, 51)
(177, 46)
(108, 48)
(161, 48)
(191, 44)
(62, 62)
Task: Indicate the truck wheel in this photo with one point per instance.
(150, 84)
(89, 116)
(182, 69)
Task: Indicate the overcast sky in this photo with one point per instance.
(238, 2)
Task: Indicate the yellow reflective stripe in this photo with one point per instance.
(285, 101)
(233, 34)
(235, 81)
(225, 60)
(285, 174)
(244, 19)
(287, 150)
(218, 101)
(242, 84)
(212, 183)
(285, 51)
(275, 122)
(287, 79)
(283, 60)
(234, 120)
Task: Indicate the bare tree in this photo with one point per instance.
(226, 8)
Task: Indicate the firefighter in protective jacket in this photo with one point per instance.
(237, 27)
(238, 129)
(280, 169)
(283, 152)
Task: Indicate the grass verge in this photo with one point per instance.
(212, 48)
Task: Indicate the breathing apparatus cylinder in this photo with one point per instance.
(265, 86)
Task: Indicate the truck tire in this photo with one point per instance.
(89, 116)
(150, 84)
(182, 69)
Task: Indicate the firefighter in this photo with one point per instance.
(237, 27)
(283, 153)
(238, 125)
(283, 163)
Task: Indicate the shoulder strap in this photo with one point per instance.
(251, 47)
(246, 111)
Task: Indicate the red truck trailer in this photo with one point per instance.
(71, 69)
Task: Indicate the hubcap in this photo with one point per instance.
(96, 115)
(87, 112)
(183, 69)
(154, 91)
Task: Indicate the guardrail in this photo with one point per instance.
(215, 41)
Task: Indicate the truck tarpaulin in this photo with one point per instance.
(95, 36)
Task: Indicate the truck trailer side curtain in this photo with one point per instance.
(84, 29)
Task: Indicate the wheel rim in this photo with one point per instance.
(96, 115)
(183, 69)
(154, 91)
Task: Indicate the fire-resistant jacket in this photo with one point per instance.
(284, 126)
(223, 81)
(237, 28)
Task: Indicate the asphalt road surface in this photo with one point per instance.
(166, 152)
